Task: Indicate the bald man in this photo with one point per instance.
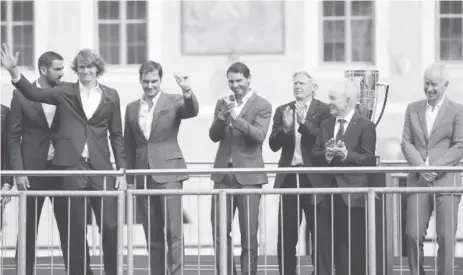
(433, 136)
(347, 139)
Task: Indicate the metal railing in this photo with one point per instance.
(127, 197)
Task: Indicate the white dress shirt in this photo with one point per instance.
(239, 107)
(297, 158)
(431, 114)
(49, 111)
(91, 98)
(145, 116)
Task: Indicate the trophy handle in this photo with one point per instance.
(385, 100)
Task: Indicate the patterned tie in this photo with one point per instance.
(340, 134)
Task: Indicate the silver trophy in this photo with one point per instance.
(373, 94)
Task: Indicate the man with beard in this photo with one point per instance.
(347, 139)
(150, 134)
(89, 113)
(240, 126)
(296, 126)
(31, 129)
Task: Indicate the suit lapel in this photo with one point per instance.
(134, 120)
(312, 108)
(103, 100)
(78, 101)
(422, 118)
(351, 125)
(40, 110)
(330, 125)
(248, 104)
(157, 109)
(440, 115)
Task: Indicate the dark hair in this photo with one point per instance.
(47, 58)
(150, 66)
(90, 57)
(239, 67)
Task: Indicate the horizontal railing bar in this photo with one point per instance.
(430, 189)
(64, 193)
(286, 170)
(152, 192)
(61, 173)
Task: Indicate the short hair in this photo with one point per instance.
(303, 73)
(47, 58)
(150, 66)
(440, 68)
(349, 88)
(239, 67)
(90, 57)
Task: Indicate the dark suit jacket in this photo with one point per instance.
(243, 140)
(360, 141)
(444, 146)
(4, 149)
(29, 133)
(75, 128)
(317, 112)
(161, 150)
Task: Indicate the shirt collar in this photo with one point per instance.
(143, 101)
(38, 84)
(247, 96)
(82, 87)
(438, 105)
(347, 118)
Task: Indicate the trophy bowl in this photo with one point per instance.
(372, 93)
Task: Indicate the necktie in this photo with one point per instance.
(340, 134)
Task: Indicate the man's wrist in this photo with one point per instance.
(187, 93)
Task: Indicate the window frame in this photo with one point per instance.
(9, 24)
(347, 19)
(123, 23)
(438, 38)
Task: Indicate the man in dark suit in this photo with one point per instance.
(347, 139)
(296, 126)
(240, 124)
(433, 136)
(151, 130)
(31, 126)
(6, 181)
(87, 112)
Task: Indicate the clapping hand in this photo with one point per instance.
(227, 108)
(288, 119)
(335, 149)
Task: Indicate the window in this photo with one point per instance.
(122, 31)
(348, 31)
(450, 30)
(17, 29)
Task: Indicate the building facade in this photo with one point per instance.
(398, 38)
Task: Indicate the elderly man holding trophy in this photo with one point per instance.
(348, 138)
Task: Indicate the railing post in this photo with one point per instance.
(223, 231)
(371, 232)
(120, 233)
(22, 231)
(130, 232)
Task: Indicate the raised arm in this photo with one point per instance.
(217, 129)
(311, 126)
(257, 130)
(115, 135)
(189, 107)
(15, 129)
(31, 92)
(4, 148)
(409, 151)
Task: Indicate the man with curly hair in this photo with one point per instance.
(88, 110)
